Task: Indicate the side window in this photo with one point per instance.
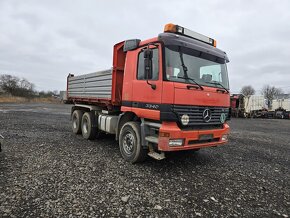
(155, 65)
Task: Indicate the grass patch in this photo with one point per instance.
(14, 99)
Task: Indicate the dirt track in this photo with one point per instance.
(46, 171)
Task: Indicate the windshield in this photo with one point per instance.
(189, 66)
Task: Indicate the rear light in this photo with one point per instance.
(172, 28)
(175, 142)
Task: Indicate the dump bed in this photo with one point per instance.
(99, 88)
(96, 85)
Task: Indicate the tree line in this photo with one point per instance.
(21, 87)
(269, 92)
(16, 86)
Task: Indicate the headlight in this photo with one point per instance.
(184, 119)
(175, 142)
(225, 137)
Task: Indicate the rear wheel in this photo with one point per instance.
(130, 143)
(76, 121)
(88, 126)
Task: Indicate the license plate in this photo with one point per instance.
(206, 137)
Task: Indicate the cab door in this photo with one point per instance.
(146, 99)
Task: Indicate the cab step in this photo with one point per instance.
(152, 139)
(152, 124)
(156, 155)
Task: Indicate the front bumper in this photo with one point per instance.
(191, 139)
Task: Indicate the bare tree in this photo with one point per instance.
(45, 94)
(247, 91)
(15, 86)
(24, 84)
(55, 92)
(270, 92)
(9, 83)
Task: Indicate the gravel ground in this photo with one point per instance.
(46, 171)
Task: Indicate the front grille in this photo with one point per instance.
(200, 127)
(195, 114)
(193, 142)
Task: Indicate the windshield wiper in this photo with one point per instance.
(183, 65)
(186, 77)
(221, 85)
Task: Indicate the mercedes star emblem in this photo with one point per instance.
(206, 115)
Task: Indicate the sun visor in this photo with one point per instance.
(171, 39)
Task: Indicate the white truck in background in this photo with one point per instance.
(254, 103)
(281, 103)
(257, 106)
(63, 97)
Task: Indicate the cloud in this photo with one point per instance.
(45, 40)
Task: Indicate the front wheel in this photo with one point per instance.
(130, 143)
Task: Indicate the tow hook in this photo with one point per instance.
(1, 142)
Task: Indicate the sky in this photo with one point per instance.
(43, 41)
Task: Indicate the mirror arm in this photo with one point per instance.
(153, 44)
(153, 86)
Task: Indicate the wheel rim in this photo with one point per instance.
(85, 126)
(128, 143)
(75, 125)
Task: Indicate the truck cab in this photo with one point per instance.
(169, 93)
(186, 89)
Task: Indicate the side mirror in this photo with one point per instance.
(148, 54)
(131, 44)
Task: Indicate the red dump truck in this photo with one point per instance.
(164, 94)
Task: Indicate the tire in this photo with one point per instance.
(76, 118)
(130, 143)
(88, 126)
